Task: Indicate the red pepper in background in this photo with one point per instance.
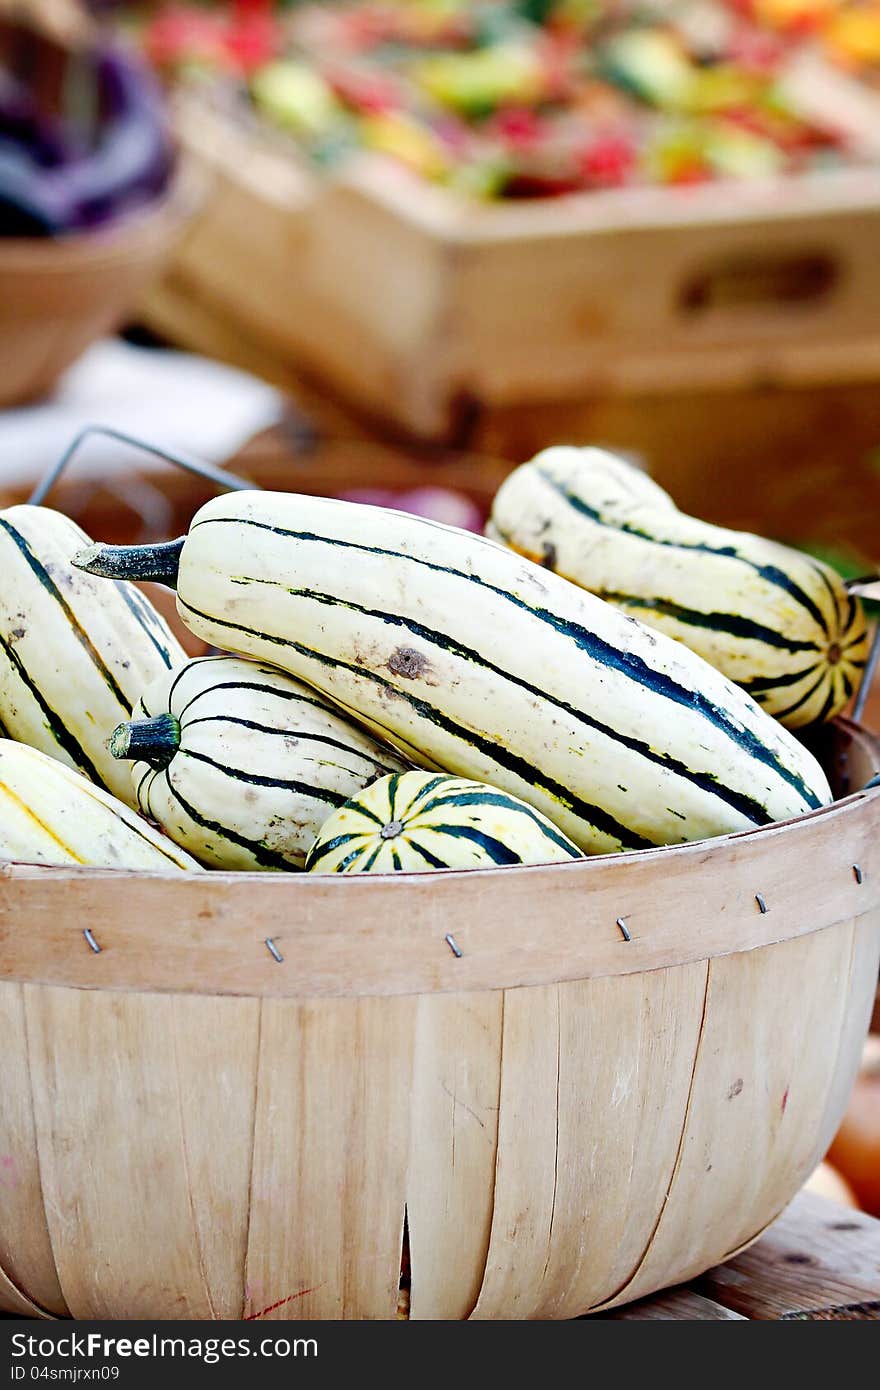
(610, 161)
(756, 51)
(371, 92)
(253, 42)
(181, 34)
(239, 41)
(517, 127)
(254, 34)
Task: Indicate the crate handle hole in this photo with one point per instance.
(746, 281)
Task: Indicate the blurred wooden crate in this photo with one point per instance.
(719, 331)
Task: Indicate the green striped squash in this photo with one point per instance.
(50, 814)
(415, 821)
(241, 764)
(776, 621)
(474, 661)
(75, 653)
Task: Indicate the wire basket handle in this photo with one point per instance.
(230, 481)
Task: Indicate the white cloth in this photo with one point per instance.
(181, 402)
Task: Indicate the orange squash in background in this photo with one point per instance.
(855, 1150)
(825, 1181)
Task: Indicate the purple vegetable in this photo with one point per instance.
(133, 158)
(29, 205)
(50, 184)
(22, 125)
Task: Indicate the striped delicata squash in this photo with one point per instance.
(51, 815)
(74, 653)
(242, 764)
(421, 820)
(776, 621)
(474, 661)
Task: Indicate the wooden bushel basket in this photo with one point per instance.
(545, 1090)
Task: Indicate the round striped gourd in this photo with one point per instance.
(241, 764)
(778, 622)
(50, 814)
(416, 821)
(75, 653)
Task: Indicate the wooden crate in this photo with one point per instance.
(436, 315)
(552, 1121)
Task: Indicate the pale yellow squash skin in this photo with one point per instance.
(75, 651)
(421, 821)
(51, 815)
(773, 619)
(261, 761)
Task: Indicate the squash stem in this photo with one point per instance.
(154, 741)
(159, 563)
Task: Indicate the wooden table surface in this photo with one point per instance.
(820, 1261)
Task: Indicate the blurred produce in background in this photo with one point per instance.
(525, 98)
(848, 31)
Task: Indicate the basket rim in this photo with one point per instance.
(456, 930)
